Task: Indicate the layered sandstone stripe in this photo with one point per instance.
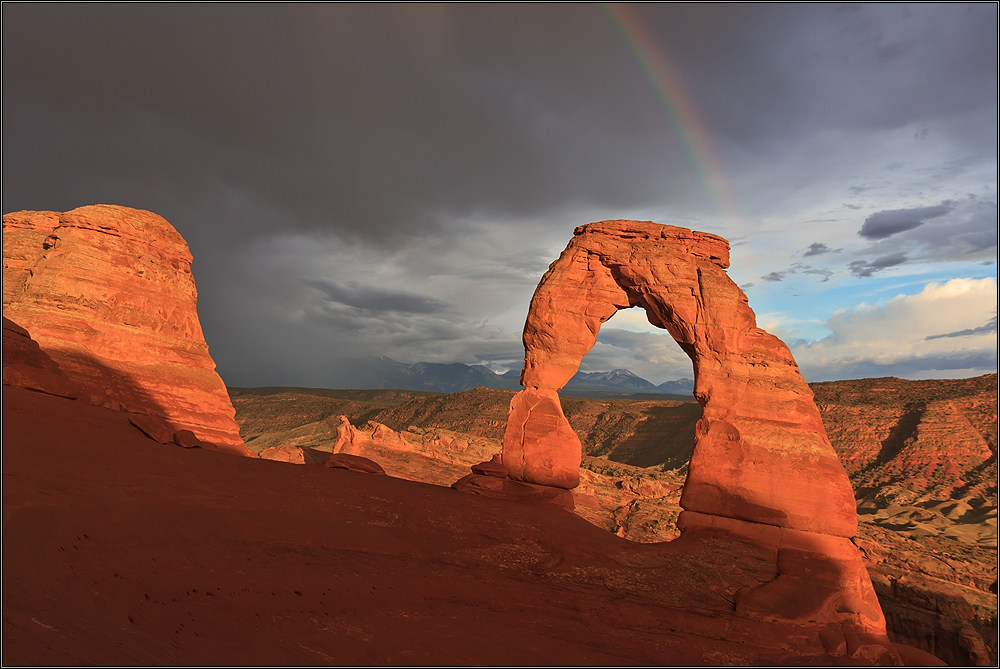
(107, 292)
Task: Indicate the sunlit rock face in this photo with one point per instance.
(762, 468)
(107, 293)
(760, 451)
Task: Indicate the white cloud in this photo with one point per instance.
(903, 336)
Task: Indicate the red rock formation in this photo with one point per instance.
(501, 487)
(354, 463)
(25, 365)
(295, 455)
(444, 446)
(760, 453)
(107, 292)
(539, 444)
(762, 464)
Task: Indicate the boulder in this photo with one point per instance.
(107, 293)
(291, 454)
(186, 439)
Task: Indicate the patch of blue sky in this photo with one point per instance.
(800, 308)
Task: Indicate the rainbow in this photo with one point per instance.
(678, 105)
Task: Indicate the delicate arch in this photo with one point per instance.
(760, 454)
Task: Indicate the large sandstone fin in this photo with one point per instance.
(107, 293)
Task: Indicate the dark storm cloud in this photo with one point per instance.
(990, 326)
(798, 268)
(886, 223)
(968, 230)
(375, 120)
(375, 299)
(957, 231)
(389, 127)
(819, 248)
(864, 268)
(371, 122)
(825, 273)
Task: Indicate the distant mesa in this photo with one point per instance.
(762, 468)
(108, 298)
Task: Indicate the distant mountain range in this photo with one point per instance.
(385, 373)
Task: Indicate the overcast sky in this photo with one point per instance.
(394, 180)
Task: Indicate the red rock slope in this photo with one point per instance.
(118, 551)
(107, 293)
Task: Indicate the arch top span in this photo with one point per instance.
(761, 453)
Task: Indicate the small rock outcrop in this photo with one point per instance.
(491, 479)
(443, 446)
(25, 365)
(762, 469)
(295, 455)
(354, 463)
(107, 293)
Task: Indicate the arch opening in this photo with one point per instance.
(654, 429)
(627, 341)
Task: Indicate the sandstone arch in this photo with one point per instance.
(761, 453)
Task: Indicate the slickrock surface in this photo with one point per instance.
(120, 552)
(932, 562)
(760, 451)
(632, 502)
(107, 293)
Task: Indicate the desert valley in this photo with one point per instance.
(154, 516)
